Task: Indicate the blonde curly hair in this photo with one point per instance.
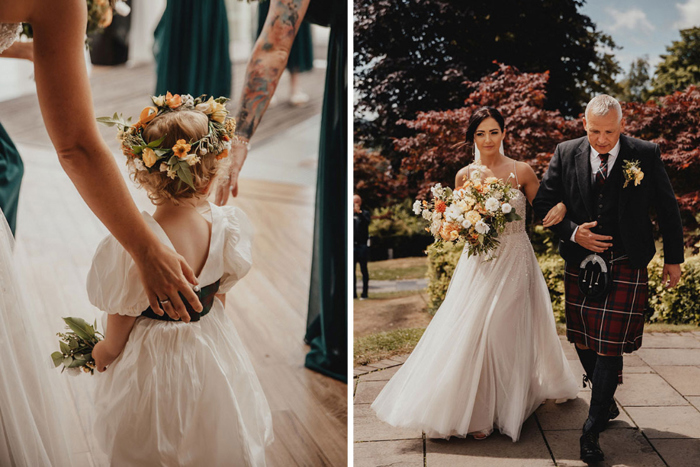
(190, 125)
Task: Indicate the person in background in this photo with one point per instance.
(11, 166)
(192, 49)
(361, 220)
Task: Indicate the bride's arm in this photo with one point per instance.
(530, 184)
(265, 66)
(66, 105)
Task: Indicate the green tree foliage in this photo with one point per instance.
(680, 68)
(635, 86)
(414, 55)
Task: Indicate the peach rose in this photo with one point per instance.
(149, 157)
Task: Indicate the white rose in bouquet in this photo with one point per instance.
(506, 208)
(417, 207)
(492, 204)
(482, 228)
(466, 224)
(427, 215)
(437, 190)
(453, 212)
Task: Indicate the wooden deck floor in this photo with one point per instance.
(57, 235)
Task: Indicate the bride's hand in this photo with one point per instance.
(164, 273)
(103, 355)
(238, 154)
(554, 216)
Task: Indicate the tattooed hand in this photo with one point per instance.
(229, 183)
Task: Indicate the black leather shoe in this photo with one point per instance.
(590, 448)
(614, 411)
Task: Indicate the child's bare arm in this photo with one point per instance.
(222, 297)
(118, 330)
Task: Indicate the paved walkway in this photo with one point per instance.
(659, 424)
(405, 285)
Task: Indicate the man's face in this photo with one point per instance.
(603, 131)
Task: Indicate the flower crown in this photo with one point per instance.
(177, 160)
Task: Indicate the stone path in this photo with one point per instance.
(659, 424)
(393, 286)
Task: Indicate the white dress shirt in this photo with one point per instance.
(595, 166)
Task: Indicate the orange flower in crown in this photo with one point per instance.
(147, 114)
(222, 155)
(181, 148)
(173, 101)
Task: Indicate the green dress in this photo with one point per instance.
(327, 320)
(192, 49)
(11, 171)
(301, 57)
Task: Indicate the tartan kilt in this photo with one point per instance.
(614, 324)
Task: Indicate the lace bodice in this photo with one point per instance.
(519, 203)
(9, 33)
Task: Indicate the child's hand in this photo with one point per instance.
(104, 355)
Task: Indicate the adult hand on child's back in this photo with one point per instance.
(164, 273)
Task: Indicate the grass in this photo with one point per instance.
(398, 269)
(383, 345)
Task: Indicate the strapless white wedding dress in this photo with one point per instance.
(32, 430)
(490, 355)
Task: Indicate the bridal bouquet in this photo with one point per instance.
(477, 212)
(76, 347)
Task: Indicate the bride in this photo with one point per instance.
(491, 354)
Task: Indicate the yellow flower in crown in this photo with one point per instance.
(181, 148)
(216, 110)
(149, 157)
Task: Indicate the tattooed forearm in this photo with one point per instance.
(267, 62)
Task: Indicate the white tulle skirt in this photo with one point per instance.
(183, 395)
(490, 355)
(33, 428)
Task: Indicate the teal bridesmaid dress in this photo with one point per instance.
(192, 49)
(301, 57)
(11, 171)
(327, 320)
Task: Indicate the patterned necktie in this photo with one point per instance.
(602, 172)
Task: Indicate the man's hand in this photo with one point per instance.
(591, 241)
(671, 275)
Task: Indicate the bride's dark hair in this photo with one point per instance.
(481, 115)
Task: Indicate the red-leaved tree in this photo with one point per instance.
(437, 150)
(673, 122)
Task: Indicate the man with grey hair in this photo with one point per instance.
(608, 182)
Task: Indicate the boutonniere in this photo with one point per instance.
(632, 173)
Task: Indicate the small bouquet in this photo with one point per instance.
(633, 173)
(76, 347)
(477, 212)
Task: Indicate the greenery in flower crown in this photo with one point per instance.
(76, 347)
(175, 162)
(100, 14)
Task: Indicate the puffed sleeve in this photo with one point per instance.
(237, 247)
(113, 283)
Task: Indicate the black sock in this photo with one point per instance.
(588, 360)
(606, 380)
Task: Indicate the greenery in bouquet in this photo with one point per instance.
(100, 15)
(76, 347)
(477, 212)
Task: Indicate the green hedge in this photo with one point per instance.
(673, 306)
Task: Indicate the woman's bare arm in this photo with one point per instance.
(66, 105)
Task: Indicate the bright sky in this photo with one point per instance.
(642, 27)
